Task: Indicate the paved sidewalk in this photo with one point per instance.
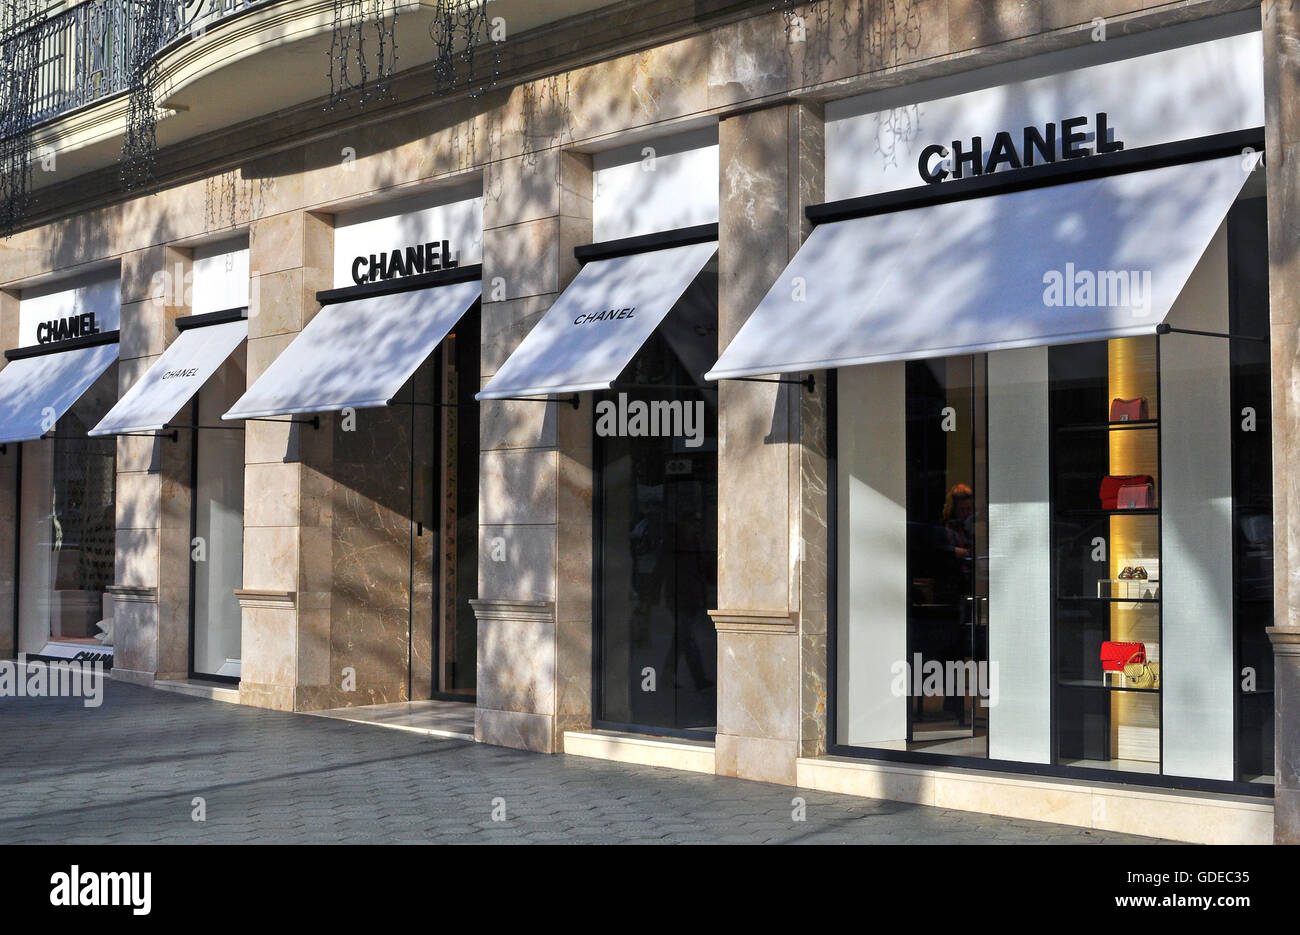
(129, 771)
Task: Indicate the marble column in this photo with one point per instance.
(1281, 30)
(771, 616)
(534, 603)
(150, 587)
(284, 601)
(8, 492)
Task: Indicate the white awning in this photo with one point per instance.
(173, 379)
(595, 328)
(357, 354)
(1101, 258)
(36, 391)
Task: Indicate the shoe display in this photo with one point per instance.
(1126, 574)
(1140, 573)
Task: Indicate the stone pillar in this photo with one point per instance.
(8, 493)
(1281, 29)
(150, 588)
(771, 569)
(282, 603)
(534, 605)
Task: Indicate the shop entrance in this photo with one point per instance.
(436, 416)
(66, 535)
(947, 554)
(656, 530)
(217, 521)
(454, 514)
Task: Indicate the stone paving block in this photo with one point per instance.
(276, 777)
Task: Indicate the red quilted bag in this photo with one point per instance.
(1115, 655)
(1111, 484)
(1129, 410)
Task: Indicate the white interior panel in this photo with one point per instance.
(1020, 573)
(1197, 678)
(656, 186)
(872, 574)
(220, 274)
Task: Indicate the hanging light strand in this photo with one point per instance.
(462, 34)
(356, 77)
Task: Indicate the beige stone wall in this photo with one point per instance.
(151, 581)
(1281, 26)
(534, 604)
(8, 495)
(765, 77)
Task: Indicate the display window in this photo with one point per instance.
(53, 390)
(656, 530)
(67, 533)
(379, 384)
(1061, 556)
(217, 506)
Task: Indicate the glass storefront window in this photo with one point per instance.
(68, 528)
(1062, 556)
(219, 523)
(657, 515)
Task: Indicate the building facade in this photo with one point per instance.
(890, 398)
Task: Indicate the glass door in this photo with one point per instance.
(947, 555)
(217, 546)
(656, 527)
(453, 515)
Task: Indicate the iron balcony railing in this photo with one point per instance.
(86, 50)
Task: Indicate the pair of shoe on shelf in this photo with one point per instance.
(1135, 574)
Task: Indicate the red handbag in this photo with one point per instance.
(1114, 656)
(1129, 410)
(1111, 484)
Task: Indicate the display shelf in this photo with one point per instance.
(1110, 426)
(1094, 719)
(1099, 513)
(1085, 683)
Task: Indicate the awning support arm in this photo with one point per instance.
(574, 400)
(809, 382)
(314, 421)
(404, 402)
(1163, 328)
(173, 434)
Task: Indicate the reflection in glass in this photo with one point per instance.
(68, 527)
(219, 523)
(657, 515)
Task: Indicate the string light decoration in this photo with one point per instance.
(21, 34)
(876, 34)
(460, 30)
(891, 34)
(140, 147)
(356, 77)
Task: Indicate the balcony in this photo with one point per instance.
(86, 50)
(221, 64)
